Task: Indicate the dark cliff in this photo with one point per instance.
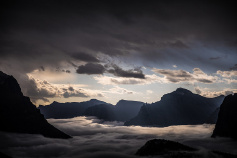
(226, 125)
(18, 114)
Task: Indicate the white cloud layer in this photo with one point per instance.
(94, 140)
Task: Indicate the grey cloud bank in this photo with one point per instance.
(91, 139)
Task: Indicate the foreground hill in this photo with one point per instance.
(67, 110)
(226, 125)
(180, 107)
(167, 148)
(18, 114)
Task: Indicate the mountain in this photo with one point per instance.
(180, 107)
(171, 149)
(162, 147)
(102, 111)
(226, 125)
(122, 111)
(67, 110)
(18, 114)
(213, 117)
(126, 109)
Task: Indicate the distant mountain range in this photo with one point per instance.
(122, 111)
(180, 107)
(226, 125)
(67, 110)
(18, 114)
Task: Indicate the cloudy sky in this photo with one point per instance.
(137, 50)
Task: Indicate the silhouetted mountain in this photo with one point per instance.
(18, 114)
(126, 109)
(226, 125)
(102, 111)
(180, 107)
(167, 148)
(122, 111)
(162, 147)
(213, 117)
(67, 110)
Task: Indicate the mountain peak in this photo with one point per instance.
(183, 91)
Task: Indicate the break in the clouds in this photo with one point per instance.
(91, 68)
(94, 140)
(211, 94)
(43, 90)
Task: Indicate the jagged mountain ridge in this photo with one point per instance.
(18, 114)
(180, 107)
(122, 111)
(67, 110)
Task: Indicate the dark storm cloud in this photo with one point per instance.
(91, 68)
(84, 57)
(45, 31)
(133, 73)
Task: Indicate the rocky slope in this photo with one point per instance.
(18, 114)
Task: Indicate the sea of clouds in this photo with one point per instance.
(92, 139)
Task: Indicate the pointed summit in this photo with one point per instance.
(183, 91)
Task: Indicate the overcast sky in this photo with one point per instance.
(74, 51)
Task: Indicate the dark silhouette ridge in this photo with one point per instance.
(167, 148)
(180, 107)
(162, 147)
(67, 110)
(122, 111)
(127, 109)
(226, 125)
(213, 117)
(102, 111)
(18, 114)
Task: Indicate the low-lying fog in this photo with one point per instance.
(91, 139)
